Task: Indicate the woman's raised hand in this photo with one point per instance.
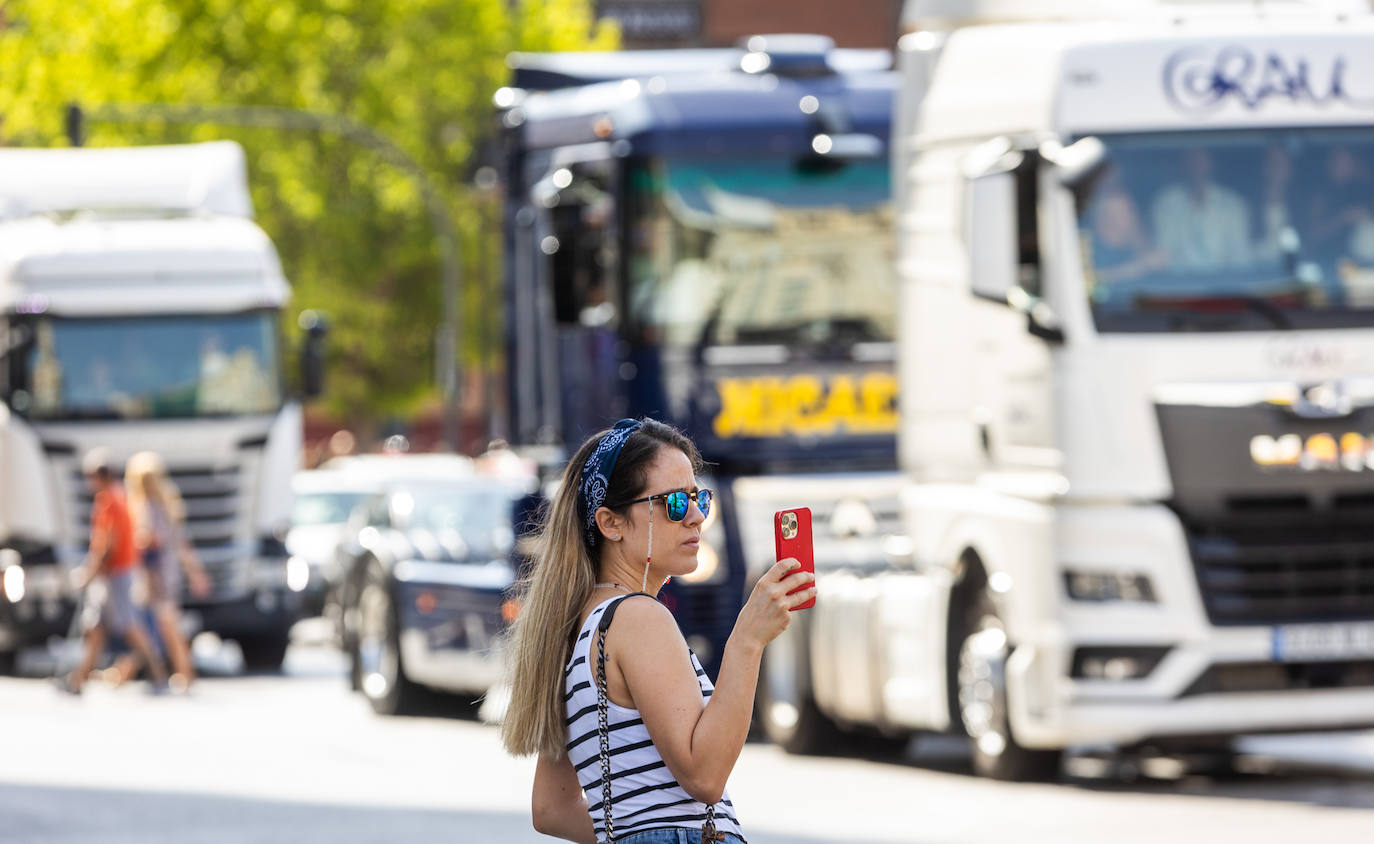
(768, 610)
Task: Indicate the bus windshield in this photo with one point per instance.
(761, 251)
(153, 367)
(1231, 230)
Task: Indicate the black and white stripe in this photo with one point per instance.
(644, 794)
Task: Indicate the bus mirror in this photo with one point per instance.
(990, 235)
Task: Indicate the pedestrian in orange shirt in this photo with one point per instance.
(111, 564)
(159, 517)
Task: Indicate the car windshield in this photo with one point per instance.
(476, 518)
(766, 251)
(1234, 230)
(323, 508)
(153, 367)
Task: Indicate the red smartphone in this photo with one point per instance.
(792, 538)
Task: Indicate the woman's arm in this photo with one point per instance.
(196, 576)
(558, 804)
(700, 740)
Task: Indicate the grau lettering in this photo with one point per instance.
(1200, 81)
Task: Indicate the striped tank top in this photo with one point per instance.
(644, 794)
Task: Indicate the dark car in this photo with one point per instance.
(429, 566)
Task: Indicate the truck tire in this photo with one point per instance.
(982, 696)
(377, 652)
(266, 652)
(8, 660)
(784, 704)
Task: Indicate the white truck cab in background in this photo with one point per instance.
(141, 310)
(1136, 253)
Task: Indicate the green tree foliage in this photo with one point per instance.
(352, 229)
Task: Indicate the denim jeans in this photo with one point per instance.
(672, 835)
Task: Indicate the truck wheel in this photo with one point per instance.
(265, 652)
(784, 704)
(380, 668)
(8, 659)
(983, 710)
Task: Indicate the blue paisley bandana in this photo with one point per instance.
(596, 474)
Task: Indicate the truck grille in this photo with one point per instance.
(213, 497)
(1278, 560)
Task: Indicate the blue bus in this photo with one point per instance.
(704, 237)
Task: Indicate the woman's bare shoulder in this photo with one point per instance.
(643, 621)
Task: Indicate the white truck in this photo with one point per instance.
(141, 308)
(1136, 364)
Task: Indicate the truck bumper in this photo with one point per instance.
(33, 623)
(43, 610)
(1127, 723)
(1084, 714)
(1191, 678)
(266, 611)
(1227, 685)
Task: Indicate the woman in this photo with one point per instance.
(158, 515)
(628, 516)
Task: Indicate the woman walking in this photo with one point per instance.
(634, 743)
(159, 518)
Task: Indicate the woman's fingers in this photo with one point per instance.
(781, 568)
(801, 597)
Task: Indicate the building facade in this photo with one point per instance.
(723, 23)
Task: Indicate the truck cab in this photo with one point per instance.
(1135, 377)
(141, 311)
(703, 236)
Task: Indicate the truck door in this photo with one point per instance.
(1014, 394)
(576, 236)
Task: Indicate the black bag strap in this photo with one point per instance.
(605, 623)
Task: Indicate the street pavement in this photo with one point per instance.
(298, 758)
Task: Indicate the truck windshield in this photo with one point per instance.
(153, 367)
(761, 251)
(1234, 230)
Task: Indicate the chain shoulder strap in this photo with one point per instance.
(603, 731)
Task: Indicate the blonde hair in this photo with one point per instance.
(560, 583)
(146, 481)
(551, 598)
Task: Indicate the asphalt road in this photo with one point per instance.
(298, 758)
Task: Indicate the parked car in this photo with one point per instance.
(429, 564)
(324, 498)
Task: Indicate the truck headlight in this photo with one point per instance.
(13, 584)
(1084, 585)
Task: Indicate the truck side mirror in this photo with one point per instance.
(316, 328)
(1001, 233)
(991, 237)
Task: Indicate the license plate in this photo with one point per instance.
(1323, 642)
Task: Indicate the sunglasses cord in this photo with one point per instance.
(649, 554)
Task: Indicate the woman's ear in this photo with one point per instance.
(610, 523)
